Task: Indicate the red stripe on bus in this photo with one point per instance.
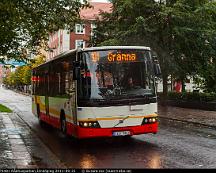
(108, 132)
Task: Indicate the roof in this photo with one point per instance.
(97, 8)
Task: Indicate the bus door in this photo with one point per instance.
(47, 95)
(72, 89)
(70, 105)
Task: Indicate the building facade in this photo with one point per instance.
(58, 43)
(80, 37)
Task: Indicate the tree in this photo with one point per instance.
(177, 30)
(9, 80)
(26, 70)
(25, 24)
(19, 76)
(22, 75)
(26, 80)
(38, 60)
(195, 38)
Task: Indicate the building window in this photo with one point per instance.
(93, 27)
(79, 44)
(80, 29)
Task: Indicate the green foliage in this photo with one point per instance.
(25, 24)
(22, 75)
(4, 109)
(38, 60)
(26, 79)
(10, 79)
(192, 96)
(181, 32)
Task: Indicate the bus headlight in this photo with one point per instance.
(149, 120)
(89, 124)
(85, 124)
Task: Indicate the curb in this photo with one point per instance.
(206, 106)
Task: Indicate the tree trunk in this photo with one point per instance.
(183, 85)
(182, 78)
(165, 89)
(171, 82)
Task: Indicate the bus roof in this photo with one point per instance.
(115, 47)
(95, 49)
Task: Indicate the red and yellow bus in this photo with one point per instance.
(98, 92)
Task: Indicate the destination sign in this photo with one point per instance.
(121, 57)
(113, 57)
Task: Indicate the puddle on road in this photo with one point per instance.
(11, 131)
(87, 161)
(14, 136)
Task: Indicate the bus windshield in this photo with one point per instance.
(116, 74)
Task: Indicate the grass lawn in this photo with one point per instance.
(4, 109)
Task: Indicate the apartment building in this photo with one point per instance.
(64, 40)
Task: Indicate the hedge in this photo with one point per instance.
(192, 96)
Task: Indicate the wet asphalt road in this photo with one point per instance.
(176, 145)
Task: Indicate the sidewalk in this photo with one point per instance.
(196, 116)
(14, 153)
(20, 147)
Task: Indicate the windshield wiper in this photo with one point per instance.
(139, 96)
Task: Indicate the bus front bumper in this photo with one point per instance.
(110, 132)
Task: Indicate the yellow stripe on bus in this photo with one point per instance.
(116, 118)
(56, 114)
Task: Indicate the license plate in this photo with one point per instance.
(121, 133)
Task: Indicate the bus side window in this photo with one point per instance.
(67, 82)
(71, 83)
(58, 83)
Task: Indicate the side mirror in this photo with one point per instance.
(157, 69)
(76, 71)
